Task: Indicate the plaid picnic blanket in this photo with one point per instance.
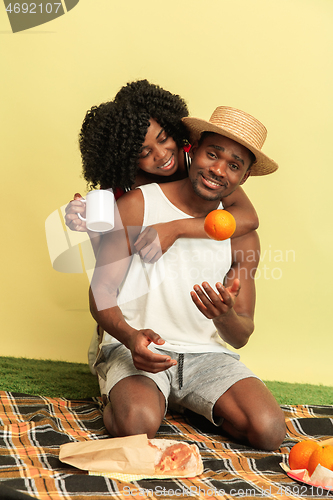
(32, 428)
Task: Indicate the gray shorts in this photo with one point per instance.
(196, 382)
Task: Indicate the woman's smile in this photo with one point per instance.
(169, 164)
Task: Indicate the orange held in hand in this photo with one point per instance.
(219, 225)
(300, 454)
(323, 456)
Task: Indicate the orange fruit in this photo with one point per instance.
(300, 454)
(322, 456)
(219, 225)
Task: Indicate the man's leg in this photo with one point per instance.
(252, 414)
(136, 406)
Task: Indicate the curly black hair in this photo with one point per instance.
(112, 133)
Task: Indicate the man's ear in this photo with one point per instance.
(246, 176)
(193, 149)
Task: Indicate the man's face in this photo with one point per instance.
(219, 165)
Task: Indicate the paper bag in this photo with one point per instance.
(131, 454)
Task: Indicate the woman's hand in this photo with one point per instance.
(154, 241)
(71, 218)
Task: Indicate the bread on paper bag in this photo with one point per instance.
(134, 455)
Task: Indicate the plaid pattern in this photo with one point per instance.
(32, 428)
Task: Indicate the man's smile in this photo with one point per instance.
(211, 183)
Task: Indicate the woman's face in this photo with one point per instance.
(159, 154)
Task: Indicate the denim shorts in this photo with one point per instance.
(195, 383)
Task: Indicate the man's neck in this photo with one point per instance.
(181, 194)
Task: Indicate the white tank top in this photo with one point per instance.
(157, 296)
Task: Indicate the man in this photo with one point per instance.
(162, 347)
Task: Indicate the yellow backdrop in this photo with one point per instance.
(271, 58)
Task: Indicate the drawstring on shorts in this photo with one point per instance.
(180, 370)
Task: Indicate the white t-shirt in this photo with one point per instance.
(157, 296)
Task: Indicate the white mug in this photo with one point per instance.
(99, 210)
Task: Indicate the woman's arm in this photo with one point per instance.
(239, 205)
(155, 240)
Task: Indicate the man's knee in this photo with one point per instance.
(136, 407)
(251, 413)
(269, 429)
(138, 419)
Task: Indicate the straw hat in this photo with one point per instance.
(240, 127)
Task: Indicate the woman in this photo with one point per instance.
(136, 139)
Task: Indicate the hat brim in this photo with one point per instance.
(263, 164)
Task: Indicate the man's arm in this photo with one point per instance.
(112, 264)
(232, 306)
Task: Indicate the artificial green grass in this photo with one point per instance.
(47, 378)
(74, 381)
(301, 394)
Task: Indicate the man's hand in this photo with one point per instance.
(234, 327)
(212, 304)
(143, 358)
